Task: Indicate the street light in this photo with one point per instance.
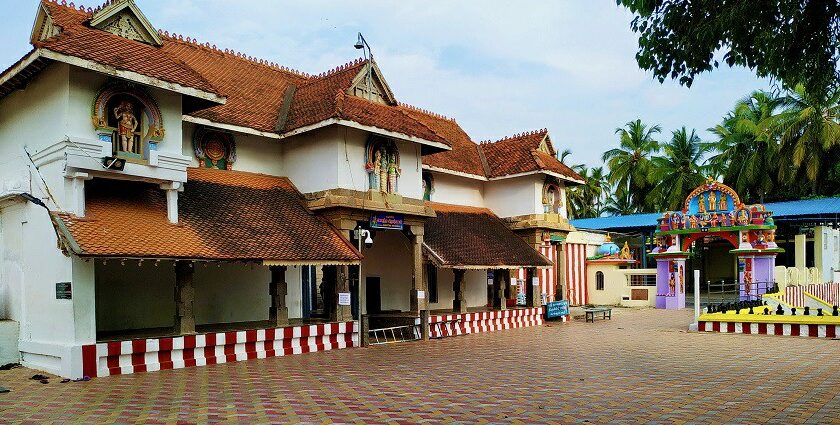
(359, 233)
(361, 43)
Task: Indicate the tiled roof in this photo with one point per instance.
(223, 215)
(520, 154)
(471, 237)
(80, 40)
(463, 157)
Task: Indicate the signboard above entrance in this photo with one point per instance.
(386, 221)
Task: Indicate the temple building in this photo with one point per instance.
(167, 203)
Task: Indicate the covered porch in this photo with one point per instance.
(247, 272)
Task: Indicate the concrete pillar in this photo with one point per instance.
(501, 279)
(532, 289)
(278, 312)
(172, 189)
(184, 296)
(560, 291)
(418, 283)
(459, 304)
(799, 253)
(76, 191)
(342, 313)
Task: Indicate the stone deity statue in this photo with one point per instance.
(701, 203)
(377, 168)
(712, 201)
(383, 170)
(127, 125)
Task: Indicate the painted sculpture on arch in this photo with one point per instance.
(714, 209)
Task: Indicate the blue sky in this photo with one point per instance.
(498, 68)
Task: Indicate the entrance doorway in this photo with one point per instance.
(373, 296)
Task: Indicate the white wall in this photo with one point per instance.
(254, 154)
(515, 196)
(450, 189)
(475, 291)
(334, 157)
(826, 251)
(390, 259)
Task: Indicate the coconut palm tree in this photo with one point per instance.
(629, 164)
(679, 170)
(619, 204)
(586, 200)
(809, 133)
(746, 148)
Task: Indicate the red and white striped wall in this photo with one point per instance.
(487, 321)
(787, 329)
(828, 292)
(575, 265)
(147, 355)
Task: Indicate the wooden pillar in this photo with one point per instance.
(459, 304)
(532, 292)
(184, 296)
(278, 312)
(341, 313)
(501, 280)
(418, 293)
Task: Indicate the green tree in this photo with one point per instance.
(586, 200)
(789, 40)
(809, 134)
(619, 204)
(746, 149)
(629, 164)
(679, 170)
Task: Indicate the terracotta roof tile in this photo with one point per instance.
(80, 40)
(223, 215)
(455, 233)
(463, 157)
(521, 154)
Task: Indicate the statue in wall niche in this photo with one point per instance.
(712, 201)
(393, 173)
(682, 280)
(747, 281)
(672, 285)
(127, 125)
(701, 203)
(377, 169)
(383, 169)
(743, 218)
(714, 220)
(722, 206)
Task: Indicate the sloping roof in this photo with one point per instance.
(80, 40)
(520, 154)
(814, 209)
(464, 156)
(223, 215)
(470, 237)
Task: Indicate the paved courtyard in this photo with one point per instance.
(640, 367)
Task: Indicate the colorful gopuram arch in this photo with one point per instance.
(714, 209)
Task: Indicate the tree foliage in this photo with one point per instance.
(792, 41)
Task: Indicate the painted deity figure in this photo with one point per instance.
(701, 203)
(672, 285)
(377, 168)
(685, 222)
(126, 126)
(682, 280)
(743, 218)
(704, 220)
(761, 239)
(714, 220)
(693, 221)
(712, 201)
(383, 169)
(393, 173)
(722, 206)
(747, 281)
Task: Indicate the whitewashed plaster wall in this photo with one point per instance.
(450, 189)
(475, 291)
(136, 297)
(390, 259)
(515, 196)
(826, 251)
(254, 154)
(334, 157)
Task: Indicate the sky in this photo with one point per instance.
(497, 67)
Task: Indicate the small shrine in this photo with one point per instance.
(714, 209)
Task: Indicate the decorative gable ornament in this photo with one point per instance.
(44, 26)
(124, 18)
(370, 84)
(214, 149)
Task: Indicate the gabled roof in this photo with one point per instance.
(526, 153)
(453, 237)
(464, 156)
(223, 215)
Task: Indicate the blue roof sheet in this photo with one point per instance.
(826, 208)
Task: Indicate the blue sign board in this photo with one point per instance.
(556, 309)
(386, 221)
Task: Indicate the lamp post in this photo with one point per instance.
(361, 44)
(361, 235)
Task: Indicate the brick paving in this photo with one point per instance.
(641, 367)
